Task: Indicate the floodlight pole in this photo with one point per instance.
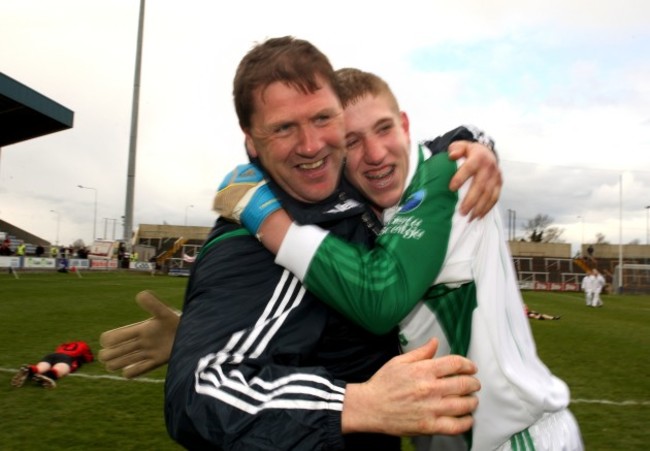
(106, 226)
(130, 175)
(189, 206)
(512, 224)
(58, 222)
(582, 239)
(620, 235)
(95, 210)
(647, 229)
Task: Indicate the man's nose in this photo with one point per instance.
(309, 141)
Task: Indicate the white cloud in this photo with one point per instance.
(558, 84)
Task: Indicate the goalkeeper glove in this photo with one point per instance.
(139, 348)
(245, 198)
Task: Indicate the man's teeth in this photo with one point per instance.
(376, 176)
(313, 165)
(381, 184)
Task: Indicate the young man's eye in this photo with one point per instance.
(384, 129)
(352, 143)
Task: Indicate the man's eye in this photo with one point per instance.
(322, 119)
(282, 129)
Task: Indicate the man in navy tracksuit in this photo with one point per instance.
(272, 360)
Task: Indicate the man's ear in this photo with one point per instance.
(250, 146)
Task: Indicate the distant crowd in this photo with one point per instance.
(21, 249)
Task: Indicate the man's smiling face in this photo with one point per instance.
(299, 138)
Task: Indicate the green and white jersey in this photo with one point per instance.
(473, 305)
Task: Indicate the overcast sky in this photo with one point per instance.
(562, 86)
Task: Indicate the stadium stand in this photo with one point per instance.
(27, 114)
(16, 235)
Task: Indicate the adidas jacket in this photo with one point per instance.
(258, 362)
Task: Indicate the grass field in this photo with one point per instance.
(601, 353)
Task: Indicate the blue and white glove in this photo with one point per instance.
(245, 198)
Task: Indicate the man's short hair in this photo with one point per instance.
(353, 84)
(295, 62)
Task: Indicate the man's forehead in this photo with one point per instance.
(280, 102)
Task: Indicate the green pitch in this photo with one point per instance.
(601, 353)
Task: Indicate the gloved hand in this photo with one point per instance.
(139, 348)
(245, 198)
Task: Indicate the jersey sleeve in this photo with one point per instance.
(377, 288)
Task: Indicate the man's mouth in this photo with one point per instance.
(314, 165)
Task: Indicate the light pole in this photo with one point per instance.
(133, 140)
(647, 229)
(189, 206)
(582, 223)
(512, 224)
(58, 222)
(95, 211)
(105, 226)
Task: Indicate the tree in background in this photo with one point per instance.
(600, 239)
(539, 230)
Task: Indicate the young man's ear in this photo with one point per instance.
(405, 122)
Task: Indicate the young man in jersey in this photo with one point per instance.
(66, 359)
(432, 270)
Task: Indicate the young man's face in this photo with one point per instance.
(299, 138)
(377, 140)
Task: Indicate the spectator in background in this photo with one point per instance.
(5, 249)
(54, 251)
(20, 249)
(65, 359)
(599, 284)
(123, 261)
(590, 255)
(588, 286)
(20, 252)
(40, 250)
